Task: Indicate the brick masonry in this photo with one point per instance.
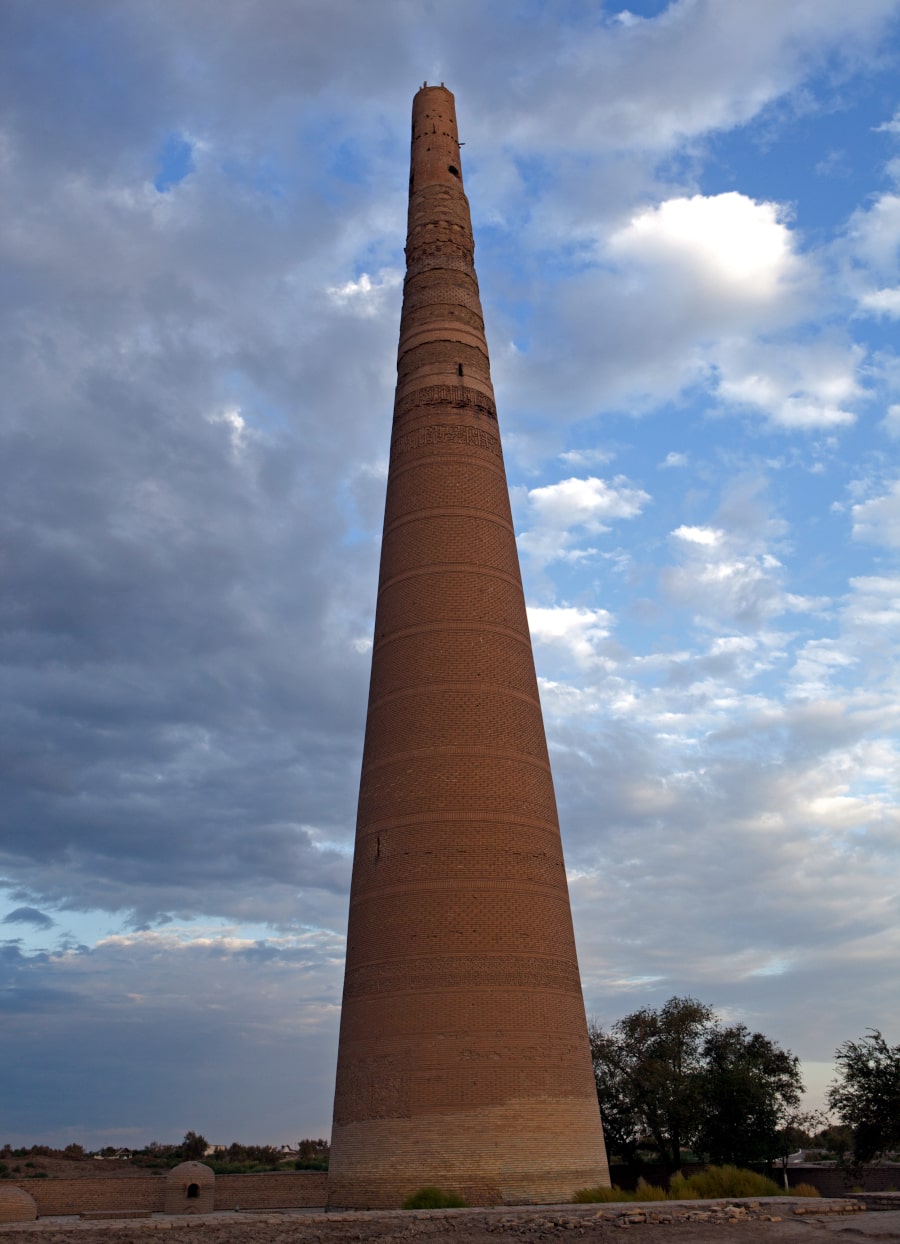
(277, 1190)
(464, 1058)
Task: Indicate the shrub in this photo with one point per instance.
(648, 1192)
(805, 1190)
(599, 1195)
(434, 1198)
(721, 1181)
(602, 1195)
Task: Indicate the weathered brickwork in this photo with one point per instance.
(464, 1059)
(147, 1194)
(190, 1189)
(16, 1205)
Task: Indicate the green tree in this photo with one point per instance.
(866, 1094)
(649, 1072)
(751, 1087)
(193, 1147)
(836, 1138)
(674, 1078)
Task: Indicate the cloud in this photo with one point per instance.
(29, 915)
(579, 633)
(557, 514)
(202, 241)
(166, 1022)
(698, 292)
(878, 519)
(726, 245)
(796, 386)
(891, 421)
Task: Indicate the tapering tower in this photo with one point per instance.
(464, 1058)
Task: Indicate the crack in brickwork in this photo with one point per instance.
(463, 1059)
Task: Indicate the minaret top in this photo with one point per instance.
(434, 156)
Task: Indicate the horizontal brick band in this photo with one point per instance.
(480, 971)
(445, 434)
(461, 395)
(449, 511)
(425, 263)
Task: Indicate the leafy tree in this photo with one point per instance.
(674, 1078)
(193, 1147)
(649, 1072)
(837, 1138)
(866, 1094)
(751, 1086)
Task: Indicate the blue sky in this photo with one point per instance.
(687, 220)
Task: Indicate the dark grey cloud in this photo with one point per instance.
(29, 915)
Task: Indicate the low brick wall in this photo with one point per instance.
(877, 1200)
(81, 1196)
(275, 1190)
(834, 1180)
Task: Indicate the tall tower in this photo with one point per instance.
(464, 1058)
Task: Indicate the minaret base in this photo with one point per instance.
(384, 1161)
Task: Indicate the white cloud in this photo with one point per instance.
(874, 234)
(889, 127)
(891, 422)
(586, 502)
(797, 386)
(365, 296)
(556, 512)
(882, 302)
(736, 250)
(674, 459)
(577, 632)
(878, 520)
(709, 536)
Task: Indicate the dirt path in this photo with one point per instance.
(650, 1224)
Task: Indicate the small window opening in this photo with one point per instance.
(193, 1191)
(451, 168)
(459, 370)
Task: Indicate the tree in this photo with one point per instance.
(751, 1087)
(866, 1094)
(675, 1078)
(193, 1147)
(649, 1073)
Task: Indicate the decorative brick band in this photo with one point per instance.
(445, 313)
(425, 262)
(480, 971)
(445, 434)
(447, 395)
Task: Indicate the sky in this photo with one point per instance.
(687, 225)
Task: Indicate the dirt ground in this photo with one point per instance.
(597, 1224)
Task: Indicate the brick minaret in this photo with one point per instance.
(464, 1057)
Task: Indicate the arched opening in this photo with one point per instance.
(451, 168)
(193, 1191)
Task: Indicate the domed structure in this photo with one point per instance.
(16, 1205)
(190, 1189)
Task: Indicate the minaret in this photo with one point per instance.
(464, 1059)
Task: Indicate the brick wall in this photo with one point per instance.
(80, 1196)
(278, 1190)
(275, 1190)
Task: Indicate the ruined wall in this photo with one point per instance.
(275, 1190)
